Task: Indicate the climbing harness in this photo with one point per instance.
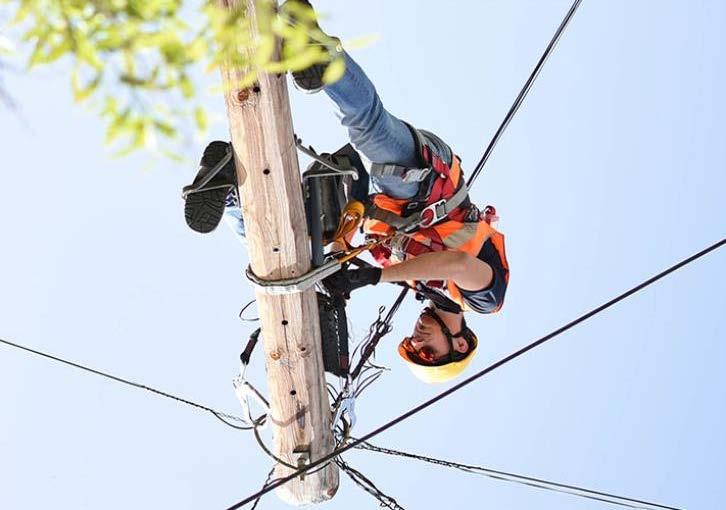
(442, 191)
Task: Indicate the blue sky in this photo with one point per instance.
(613, 170)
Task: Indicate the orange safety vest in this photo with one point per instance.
(454, 233)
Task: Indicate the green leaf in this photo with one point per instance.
(361, 42)
(58, 51)
(302, 60)
(200, 116)
(265, 50)
(36, 57)
(88, 54)
(23, 12)
(165, 128)
(120, 123)
(334, 71)
(186, 86)
(81, 93)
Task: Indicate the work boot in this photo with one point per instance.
(214, 186)
(310, 80)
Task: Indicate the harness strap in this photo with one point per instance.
(427, 217)
(406, 174)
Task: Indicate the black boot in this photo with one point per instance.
(206, 197)
(310, 80)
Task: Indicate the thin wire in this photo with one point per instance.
(483, 372)
(232, 425)
(378, 330)
(269, 453)
(367, 485)
(218, 414)
(244, 308)
(525, 480)
(523, 93)
(267, 481)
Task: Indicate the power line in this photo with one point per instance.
(538, 483)
(523, 93)
(480, 374)
(218, 414)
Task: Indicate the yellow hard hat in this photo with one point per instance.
(446, 369)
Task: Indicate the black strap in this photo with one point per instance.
(438, 298)
(251, 343)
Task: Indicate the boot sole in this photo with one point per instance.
(203, 210)
(309, 80)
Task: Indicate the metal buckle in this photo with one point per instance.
(432, 214)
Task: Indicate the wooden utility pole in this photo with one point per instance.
(268, 170)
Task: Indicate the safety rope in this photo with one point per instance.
(523, 93)
(524, 480)
(218, 414)
(367, 485)
(482, 373)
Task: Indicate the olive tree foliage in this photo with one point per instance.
(134, 61)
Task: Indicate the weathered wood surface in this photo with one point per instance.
(268, 170)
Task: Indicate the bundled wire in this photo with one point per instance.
(367, 485)
(538, 483)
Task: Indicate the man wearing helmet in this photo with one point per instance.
(432, 236)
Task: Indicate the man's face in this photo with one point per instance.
(429, 341)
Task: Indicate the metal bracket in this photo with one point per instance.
(337, 170)
(301, 458)
(244, 390)
(346, 407)
(293, 285)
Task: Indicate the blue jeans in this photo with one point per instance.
(375, 133)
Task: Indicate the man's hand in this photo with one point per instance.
(345, 281)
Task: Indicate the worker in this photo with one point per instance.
(456, 261)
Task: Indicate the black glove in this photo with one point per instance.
(347, 280)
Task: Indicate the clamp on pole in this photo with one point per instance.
(293, 285)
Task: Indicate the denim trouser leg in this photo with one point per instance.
(378, 135)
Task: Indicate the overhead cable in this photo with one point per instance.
(224, 417)
(480, 374)
(538, 483)
(523, 93)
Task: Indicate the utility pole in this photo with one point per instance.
(270, 185)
